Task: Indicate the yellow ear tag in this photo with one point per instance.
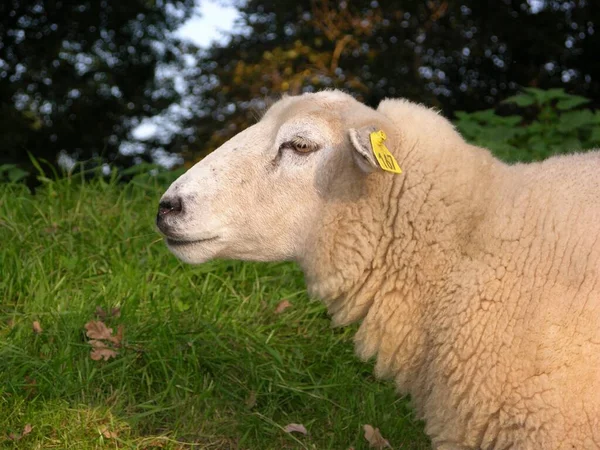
(385, 159)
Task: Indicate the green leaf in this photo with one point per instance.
(16, 174)
(13, 172)
(595, 136)
(512, 121)
(181, 306)
(520, 100)
(545, 96)
(499, 134)
(569, 145)
(572, 101)
(461, 115)
(573, 120)
(6, 167)
(535, 92)
(469, 129)
(539, 151)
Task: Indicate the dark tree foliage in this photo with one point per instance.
(75, 76)
(456, 55)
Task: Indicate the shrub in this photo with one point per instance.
(550, 122)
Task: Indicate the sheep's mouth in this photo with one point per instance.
(182, 243)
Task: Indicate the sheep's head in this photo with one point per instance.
(259, 195)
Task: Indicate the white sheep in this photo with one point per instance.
(477, 283)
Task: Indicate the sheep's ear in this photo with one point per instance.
(362, 152)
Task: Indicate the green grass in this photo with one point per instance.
(206, 361)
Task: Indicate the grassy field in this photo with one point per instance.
(205, 359)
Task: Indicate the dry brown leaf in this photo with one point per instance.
(114, 312)
(102, 340)
(100, 312)
(295, 428)
(117, 338)
(374, 437)
(37, 328)
(104, 353)
(107, 433)
(51, 229)
(282, 306)
(97, 344)
(17, 437)
(156, 442)
(96, 329)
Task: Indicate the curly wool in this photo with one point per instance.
(477, 287)
(476, 283)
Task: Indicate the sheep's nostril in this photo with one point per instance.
(170, 206)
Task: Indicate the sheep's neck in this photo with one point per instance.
(378, 261)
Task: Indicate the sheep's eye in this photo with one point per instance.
(300, 146)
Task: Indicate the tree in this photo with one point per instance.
(465, 55)
(76, 76)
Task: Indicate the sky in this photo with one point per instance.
(210, 22)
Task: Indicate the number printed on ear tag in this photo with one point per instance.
(384, 157)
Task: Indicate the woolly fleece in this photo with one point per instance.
(476, 283)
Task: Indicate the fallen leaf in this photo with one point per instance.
(295, 428)
(51, 229)
(282, 306)
(156, 442)
(374, 437)
(117, 338)
(37, 328)
(102, 340)
(96, 329)
(17, 437)
(97, 344)
(114, 312)
(107, 433)
(104, 353)
(100, 312)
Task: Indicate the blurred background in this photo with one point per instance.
(117, 85)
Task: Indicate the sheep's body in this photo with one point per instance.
(477, 283)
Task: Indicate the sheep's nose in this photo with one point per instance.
(171, 206)
(168, 207)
